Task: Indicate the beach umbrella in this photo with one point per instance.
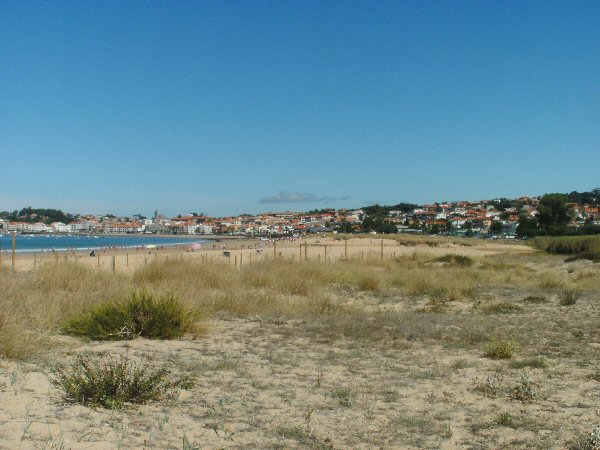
(196, 246)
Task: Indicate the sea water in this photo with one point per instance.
(49, 242)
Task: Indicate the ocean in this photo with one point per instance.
(62, 243)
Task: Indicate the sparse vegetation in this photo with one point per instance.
(111, 382)
(526, 390)
(591, 441)
(353, 333)
(503, 308)
(535, 299)
(345, 396)
(536, 363)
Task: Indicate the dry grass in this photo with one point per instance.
(36, 303)
(393, 331)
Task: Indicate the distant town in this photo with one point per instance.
(574, 213)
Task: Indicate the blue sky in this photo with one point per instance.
(248, 106)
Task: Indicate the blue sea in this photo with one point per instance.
(45, 242)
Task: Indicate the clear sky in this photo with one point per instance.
(226, 107)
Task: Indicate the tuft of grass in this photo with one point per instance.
(536, 363)
(141, 314)
(505, 420)
(501, 348)
(367, 282)
(17, 341)
(297, 432)
(345, 396)
(568, 297)
(111, 382)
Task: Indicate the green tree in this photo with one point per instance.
(496, 227)
(345, 227)
(528, 227)
(554, 215)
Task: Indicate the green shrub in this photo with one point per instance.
(110, 382)
(501, 348)
(141, 314)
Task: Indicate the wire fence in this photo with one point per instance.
(238, 256)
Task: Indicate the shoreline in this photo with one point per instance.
(182, 241)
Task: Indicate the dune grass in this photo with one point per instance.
(139, 314)
(93, 303)
(568, 245)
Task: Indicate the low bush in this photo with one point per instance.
(589, 255)
(502, 308)
(141, 314)
(525, 391)
(111, 382)
(501, 348)
(536, 363)
(454, 259)
(535, 299)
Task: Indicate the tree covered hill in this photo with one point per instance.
(33, 215)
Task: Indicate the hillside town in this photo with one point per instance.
(498, 218)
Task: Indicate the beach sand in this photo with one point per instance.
(270, 383)
(244, 251)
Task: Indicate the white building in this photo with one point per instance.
(204, 229)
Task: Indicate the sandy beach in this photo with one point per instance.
(243, 251)
(389, 349)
